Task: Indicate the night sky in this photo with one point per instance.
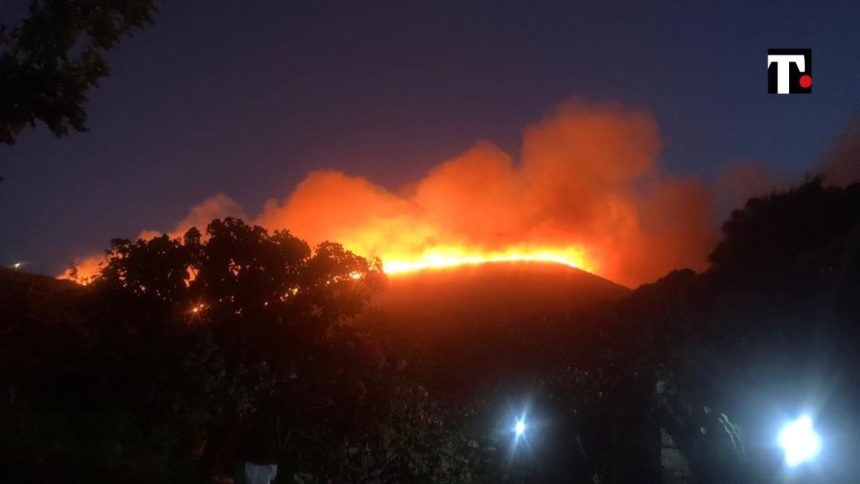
(246, 97)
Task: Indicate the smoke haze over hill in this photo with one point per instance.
(586, 188)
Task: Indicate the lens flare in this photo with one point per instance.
(520, 428)
(799, 441)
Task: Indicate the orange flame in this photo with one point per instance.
(585, 191)
(445, 257)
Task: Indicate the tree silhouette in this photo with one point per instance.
(251, 324)
(50, 61)
(788, 232)
(236, 336)
(238, 272)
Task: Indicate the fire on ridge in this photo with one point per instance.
(441, 258)
(585, 191)
(444, 257)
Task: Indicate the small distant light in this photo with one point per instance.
(799, 441)
(520, 428)
(17, 265)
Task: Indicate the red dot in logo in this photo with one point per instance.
(805, 81)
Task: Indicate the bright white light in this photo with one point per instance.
(17, 265)
(799, 441)
(520, 428)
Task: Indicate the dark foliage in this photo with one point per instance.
(50, 61)
(189, 355)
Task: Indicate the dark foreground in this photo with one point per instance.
(189, 357)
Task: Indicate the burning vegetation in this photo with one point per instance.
(585, 191)
(192, 353)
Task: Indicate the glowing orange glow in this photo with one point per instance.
(439, 258)
(434, 258)
(86, 269)
(585, 190)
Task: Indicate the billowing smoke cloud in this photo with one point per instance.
(586, 183)
(216, 206)
(587, 178)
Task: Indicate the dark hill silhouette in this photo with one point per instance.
(492, 293)
(39, 316)
(773, 325)
(24, 295)
(770, 330)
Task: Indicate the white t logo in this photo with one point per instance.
(783, 69)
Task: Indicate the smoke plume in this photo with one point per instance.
(586, 178)
(586, 185)
(216, 206)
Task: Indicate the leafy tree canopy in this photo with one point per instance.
(50, 61)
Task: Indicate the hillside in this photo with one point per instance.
(491, 293)
(703, 366)
(39, 316)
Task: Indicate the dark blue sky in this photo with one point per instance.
(246, 97)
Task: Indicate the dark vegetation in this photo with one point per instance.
(187, 356)
(54, 56)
